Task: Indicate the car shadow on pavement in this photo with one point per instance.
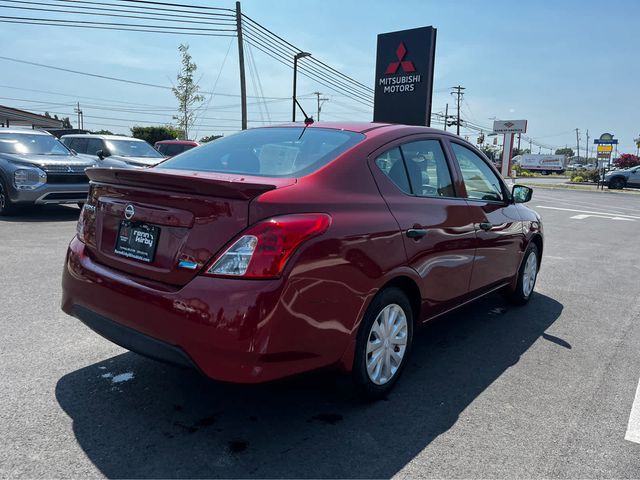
(137, 418)
(43, 213)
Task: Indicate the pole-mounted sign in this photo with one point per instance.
(508, 128)
(404, 76)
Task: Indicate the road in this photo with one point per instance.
(545, 390)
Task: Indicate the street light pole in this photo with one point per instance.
(296, 57)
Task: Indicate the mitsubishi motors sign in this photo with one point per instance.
(404, 76)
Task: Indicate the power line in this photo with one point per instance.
(93, 11)
(113, 25)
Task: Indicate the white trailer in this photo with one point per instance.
(545, 164)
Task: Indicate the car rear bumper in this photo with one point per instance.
(232, 330)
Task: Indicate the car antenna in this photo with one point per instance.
(307, 119)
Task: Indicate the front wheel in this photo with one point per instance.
(6, 205)
(384, 343)
(527, 276)
(617, 183)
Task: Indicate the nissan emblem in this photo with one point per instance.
(129, 212)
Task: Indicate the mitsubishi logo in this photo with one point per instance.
(407, 65)
(129, 212)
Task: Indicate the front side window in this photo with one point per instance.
(479, 180)
(93, 145)
(31, 144)
(427, 168)
(275, 152)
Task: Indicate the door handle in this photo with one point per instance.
(486, 226)
(416, 233)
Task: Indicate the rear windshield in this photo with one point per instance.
(272, 152)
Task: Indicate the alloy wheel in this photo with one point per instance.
(386, 344)
(529, 274)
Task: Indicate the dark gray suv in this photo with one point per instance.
(35, 168)
(628, 177)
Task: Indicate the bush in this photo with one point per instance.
(577, 178)
(525, 173)
(155, 134)
(591, 176)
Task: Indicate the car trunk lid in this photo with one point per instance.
(184, 217)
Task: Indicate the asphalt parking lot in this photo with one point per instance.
(492, 390)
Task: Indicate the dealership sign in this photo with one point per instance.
(404, 76)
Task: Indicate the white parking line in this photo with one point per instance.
(582, 216)
(591, 212)
(633, 427)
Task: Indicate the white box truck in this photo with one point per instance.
(545, 164)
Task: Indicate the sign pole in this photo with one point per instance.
(507, 152)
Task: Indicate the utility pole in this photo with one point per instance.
(80, 117)
(586, 154)
(577, 143)
(446, 116)
(243, 83)
(323, 99)
(459, 93)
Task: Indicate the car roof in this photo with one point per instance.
(103, 137)
(30, 131)
(177, 142)
(365, 127)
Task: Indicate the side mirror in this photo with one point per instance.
(102, 154)
(521, 194)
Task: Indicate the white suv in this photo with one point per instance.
(114, 150)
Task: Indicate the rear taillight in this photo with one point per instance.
(263, 250)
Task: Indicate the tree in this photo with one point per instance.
(567, 152)
(210, 138)
(103, 132)
(520, 151)
(155, 134)
(186, 92)
(66, 123)
(627, 160)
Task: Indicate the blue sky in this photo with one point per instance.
(562, 65)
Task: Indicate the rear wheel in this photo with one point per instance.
(617, 183)
(7, 207)
(384, 343)
(527, 276)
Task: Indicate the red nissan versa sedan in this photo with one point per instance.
(285, 249)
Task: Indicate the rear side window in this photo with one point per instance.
(79, 144)
(427, 168)
(275, 152)
(172, 149)
(393, 167)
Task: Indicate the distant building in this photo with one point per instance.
(12, 117)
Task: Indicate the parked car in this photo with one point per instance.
(171, 148)
(35, 168)
(281, 250)
(114, 150)
(629, 177)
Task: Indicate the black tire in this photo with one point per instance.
(7, 207)
(520, 296)
(617, 183)
(366, 388)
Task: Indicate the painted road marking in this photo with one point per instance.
(633, 427)
(582, 216)
(590, 212)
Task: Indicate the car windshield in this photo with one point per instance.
(274, 152)
(31, 144)
(132, 148)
